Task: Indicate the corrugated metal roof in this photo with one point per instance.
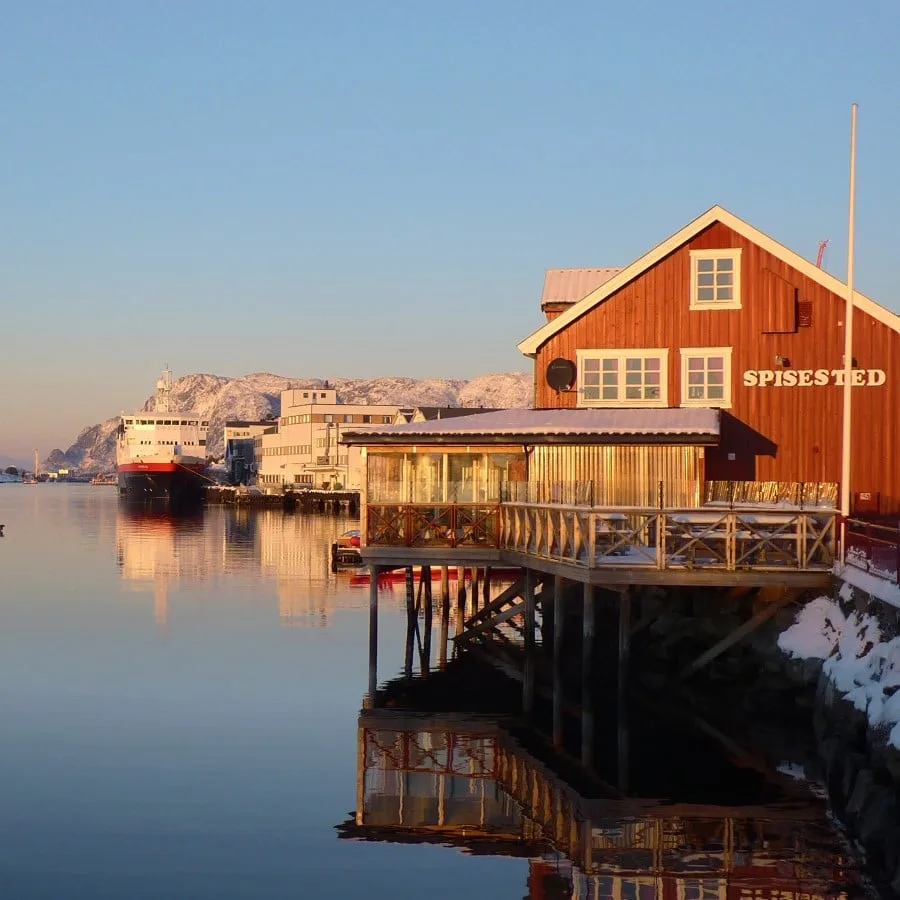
(572, 285)
(550, 425)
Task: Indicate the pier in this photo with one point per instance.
(310, 500)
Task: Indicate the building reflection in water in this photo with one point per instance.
(157, 551)
(487, 783)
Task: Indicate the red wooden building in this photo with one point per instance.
(721, 315)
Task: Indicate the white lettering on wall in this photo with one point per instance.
(808, 377)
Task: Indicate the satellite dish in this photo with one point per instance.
(561, 374)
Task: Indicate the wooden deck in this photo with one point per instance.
(612, 545)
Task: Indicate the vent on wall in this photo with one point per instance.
(804, 314)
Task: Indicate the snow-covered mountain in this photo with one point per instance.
(258, 396)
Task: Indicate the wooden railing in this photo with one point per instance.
(433, 525)
(760, 538)
(873, 548)
(708, 538)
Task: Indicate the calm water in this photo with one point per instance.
(181, 717)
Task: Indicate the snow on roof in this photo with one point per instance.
(552, 426)
(571, 285)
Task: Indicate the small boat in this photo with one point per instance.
(345, 551)
(398, 575)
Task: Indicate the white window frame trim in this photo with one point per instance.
(662, 353)
(726, 401)
(727, 253)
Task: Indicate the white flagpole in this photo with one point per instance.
(848, 333)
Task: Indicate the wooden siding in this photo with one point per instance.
(770, 433)
(609, 475)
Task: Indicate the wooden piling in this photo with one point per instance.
(587, 675)
(622, 704)
(425, 661)
(558, 626)
(373, 634)
(528, 683)
(445, 583)
(486, 590)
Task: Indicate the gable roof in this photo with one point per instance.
(533, 342)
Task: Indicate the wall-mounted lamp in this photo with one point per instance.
(782, 361)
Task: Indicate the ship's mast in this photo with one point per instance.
(164, 391)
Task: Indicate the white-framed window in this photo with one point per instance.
(716, 279)
(706, 376)
(623, 377)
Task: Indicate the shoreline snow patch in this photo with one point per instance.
(861, 665)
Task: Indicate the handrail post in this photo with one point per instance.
(802, 535)
(661, 521)
(592, 540)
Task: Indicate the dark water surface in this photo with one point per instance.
(180, 703)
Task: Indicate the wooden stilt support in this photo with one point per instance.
(410, 634)
(624, 637)
(425, 660)
(587, 677)
(445, 626)
(473, 582)
(486, 589)
(559, 620)
(529, 682)
(445, 583)
(511, 593)
(622, 704)
(461, 587)
(739, 633)
(373, 635)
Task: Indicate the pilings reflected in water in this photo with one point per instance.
(448, 758)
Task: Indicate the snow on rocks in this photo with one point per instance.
(863, 666)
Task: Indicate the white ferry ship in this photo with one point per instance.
(161, 455)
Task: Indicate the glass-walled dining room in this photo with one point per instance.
(446, 475)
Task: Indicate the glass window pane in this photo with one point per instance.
(695, 393)
(592, 378)
(715, 362)
(724, 293)
(706, 265)
(633, 364)
(610, 393)
(592, 365)
(651, 378)
(724, 278)
(632, 393)
(610, 378)
(716, 392)
(716, 378)
(705, 279)
(651, 392)
(610, 365)
(705, 294)
(695, 378)
(634, 378)
(592, 393)
(651, 364)
(725, 265)
(695, 364)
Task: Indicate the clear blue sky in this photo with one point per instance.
(364, 188)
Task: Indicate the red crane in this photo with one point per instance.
(822, 246)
